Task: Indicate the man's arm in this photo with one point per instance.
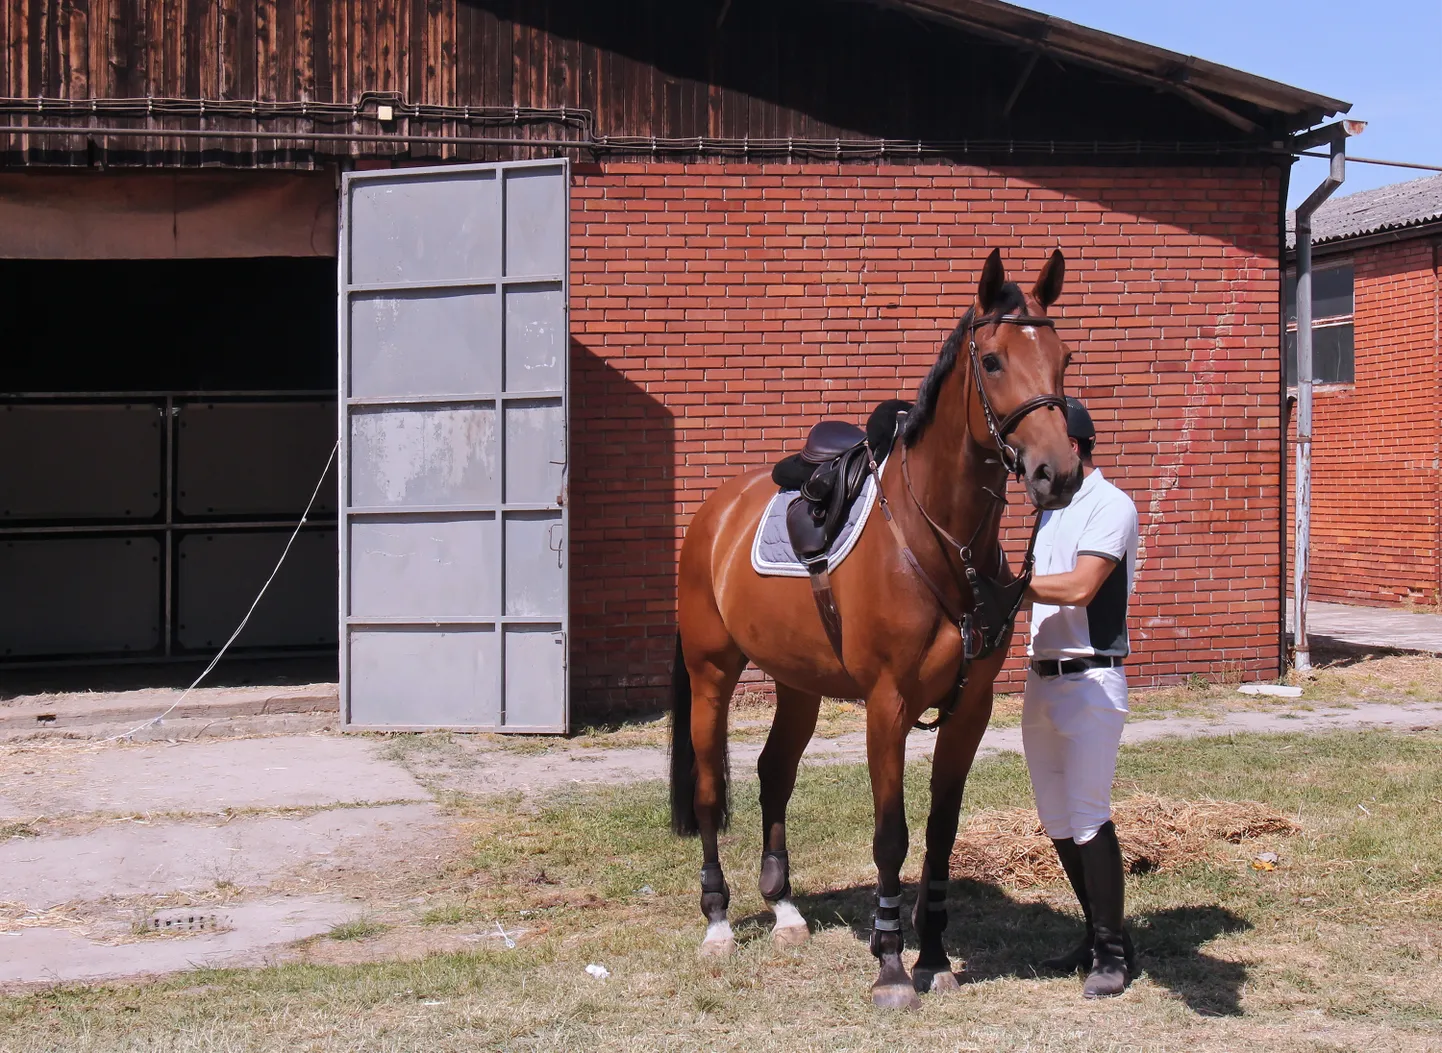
(1075, 588)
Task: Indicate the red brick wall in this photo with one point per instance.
(1375, 443)
(717, 310)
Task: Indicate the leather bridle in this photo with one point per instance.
(1000, 429)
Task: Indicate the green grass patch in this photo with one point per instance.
(359, 929)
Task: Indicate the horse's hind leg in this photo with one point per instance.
(713, 679)
(790, 732)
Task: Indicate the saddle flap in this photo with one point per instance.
(808, 535)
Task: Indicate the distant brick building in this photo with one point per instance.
(1377, 425)
(776, 212)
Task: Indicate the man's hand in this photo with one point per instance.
(1075, 588)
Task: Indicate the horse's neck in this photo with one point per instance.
(952, 475)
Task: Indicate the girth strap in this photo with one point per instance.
(820, 575)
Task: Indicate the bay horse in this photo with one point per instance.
(990, 406)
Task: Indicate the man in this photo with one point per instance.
(1076, 701)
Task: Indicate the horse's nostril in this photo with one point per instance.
(1042, 474)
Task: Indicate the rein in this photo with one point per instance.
(978, 641)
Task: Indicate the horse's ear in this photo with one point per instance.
(1048, 286)
(993, 277)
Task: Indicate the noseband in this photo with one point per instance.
(1000, 429)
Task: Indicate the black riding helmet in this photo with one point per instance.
(1078, 421)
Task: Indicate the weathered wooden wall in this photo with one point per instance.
(669, 68)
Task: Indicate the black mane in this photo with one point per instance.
(1010, 301)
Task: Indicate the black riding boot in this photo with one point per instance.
(1105, 883)
(1070, 854)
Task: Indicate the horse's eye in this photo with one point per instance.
(991, 364)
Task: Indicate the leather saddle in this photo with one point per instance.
(830, 471)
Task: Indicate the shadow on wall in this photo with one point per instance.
(624, 543)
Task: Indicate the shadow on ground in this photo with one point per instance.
(1330, 653)
(998, 936)
(235, 672)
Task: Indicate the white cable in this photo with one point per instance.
(244, 621)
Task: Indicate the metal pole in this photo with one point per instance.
(1303, 653)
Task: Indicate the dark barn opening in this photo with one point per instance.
(165, 423)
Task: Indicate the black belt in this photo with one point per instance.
(1049, 667)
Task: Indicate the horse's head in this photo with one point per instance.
(1017, 363)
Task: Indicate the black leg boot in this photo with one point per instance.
(1106, 890)
(1069, 852)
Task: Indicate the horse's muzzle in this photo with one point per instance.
(1047, 488)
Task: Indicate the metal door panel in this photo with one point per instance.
(535, 337)
(410, 678)
(535, 673)
(219, 575)
(440, 226)
(79, 595)
(424, 457)
(425, 569)
(535, 577)
(81, 462)
(535, 451)
(454, 373)
(535, 221)
(252, 458)
(454, 327)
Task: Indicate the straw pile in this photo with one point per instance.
(1156, 833)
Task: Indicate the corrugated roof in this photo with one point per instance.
(1392, 207)
(1184, 74)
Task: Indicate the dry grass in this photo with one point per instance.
(1156, 833)
(1233, 958)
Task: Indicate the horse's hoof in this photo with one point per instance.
(724, 947)
(785, 937)
(894, 996)
(943, 982)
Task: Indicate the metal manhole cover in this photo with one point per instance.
(185, 921)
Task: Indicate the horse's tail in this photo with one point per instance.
(683, 753)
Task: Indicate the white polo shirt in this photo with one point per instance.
(1100, 521)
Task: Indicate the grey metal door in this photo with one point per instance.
(453, 395)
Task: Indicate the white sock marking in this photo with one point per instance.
(787, 916)
(718, 932)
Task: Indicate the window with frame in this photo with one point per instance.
(1332, 353)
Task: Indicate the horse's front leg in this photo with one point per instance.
(886, 728)
(956, 744)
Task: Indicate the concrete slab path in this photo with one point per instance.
(130, 859)
(302, 771)
(247, 932)
(1388, 627)
(493, 771)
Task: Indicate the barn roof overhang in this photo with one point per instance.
(1209, 86)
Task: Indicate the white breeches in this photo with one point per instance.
(1071, 727)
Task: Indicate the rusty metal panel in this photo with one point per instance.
(453, 375)
(166, 215)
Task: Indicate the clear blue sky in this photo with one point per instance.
(1383, 56)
